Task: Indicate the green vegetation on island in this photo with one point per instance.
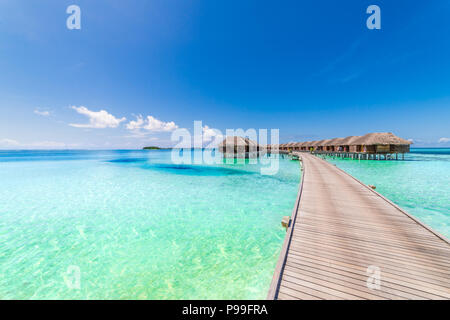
(152, 148)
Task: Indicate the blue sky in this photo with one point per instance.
(309, 68)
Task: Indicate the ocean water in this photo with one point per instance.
(132, 225)
(420, 184)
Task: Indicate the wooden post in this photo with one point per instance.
(285, 222)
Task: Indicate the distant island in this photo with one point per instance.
(152, 148)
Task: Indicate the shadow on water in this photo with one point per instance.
(196, 170)
(183, 169)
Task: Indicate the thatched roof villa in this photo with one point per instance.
(380, 142)
(344, 144)
(304, 145)
(321, 145)
(371, 143)
(291, 145)
(240, 147)
(332, 143)
(307, 145)
(297, 146)
(315, 144)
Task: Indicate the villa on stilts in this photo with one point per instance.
(372, 146)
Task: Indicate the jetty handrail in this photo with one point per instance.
(276, 279)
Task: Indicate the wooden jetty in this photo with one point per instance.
(346, 241)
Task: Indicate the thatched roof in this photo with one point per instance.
(377, 138)
(291, 144)
(333, 142)
(315, 143)
(238, 141)
(323, 142)
(347, 141)
(380, 138)
(306, 143)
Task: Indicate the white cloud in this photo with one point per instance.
(211, 133)
(97, 119)
(134, 125)
(42, 113)
(151, 124)
(154, 124)
(9, 143)
(209, 137)
(444, 140)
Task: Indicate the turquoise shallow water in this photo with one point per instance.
(137, 226)
(420, 184)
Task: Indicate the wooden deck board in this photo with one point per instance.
(341, 227)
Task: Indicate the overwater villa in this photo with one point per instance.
(321, 146)
(315, 145)
(377, 145)
(380, 143)
(297, 146)
(332, 144)
(291, 145)
(238, 147)
(304, 145)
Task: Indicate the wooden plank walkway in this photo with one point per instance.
(340, 228)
